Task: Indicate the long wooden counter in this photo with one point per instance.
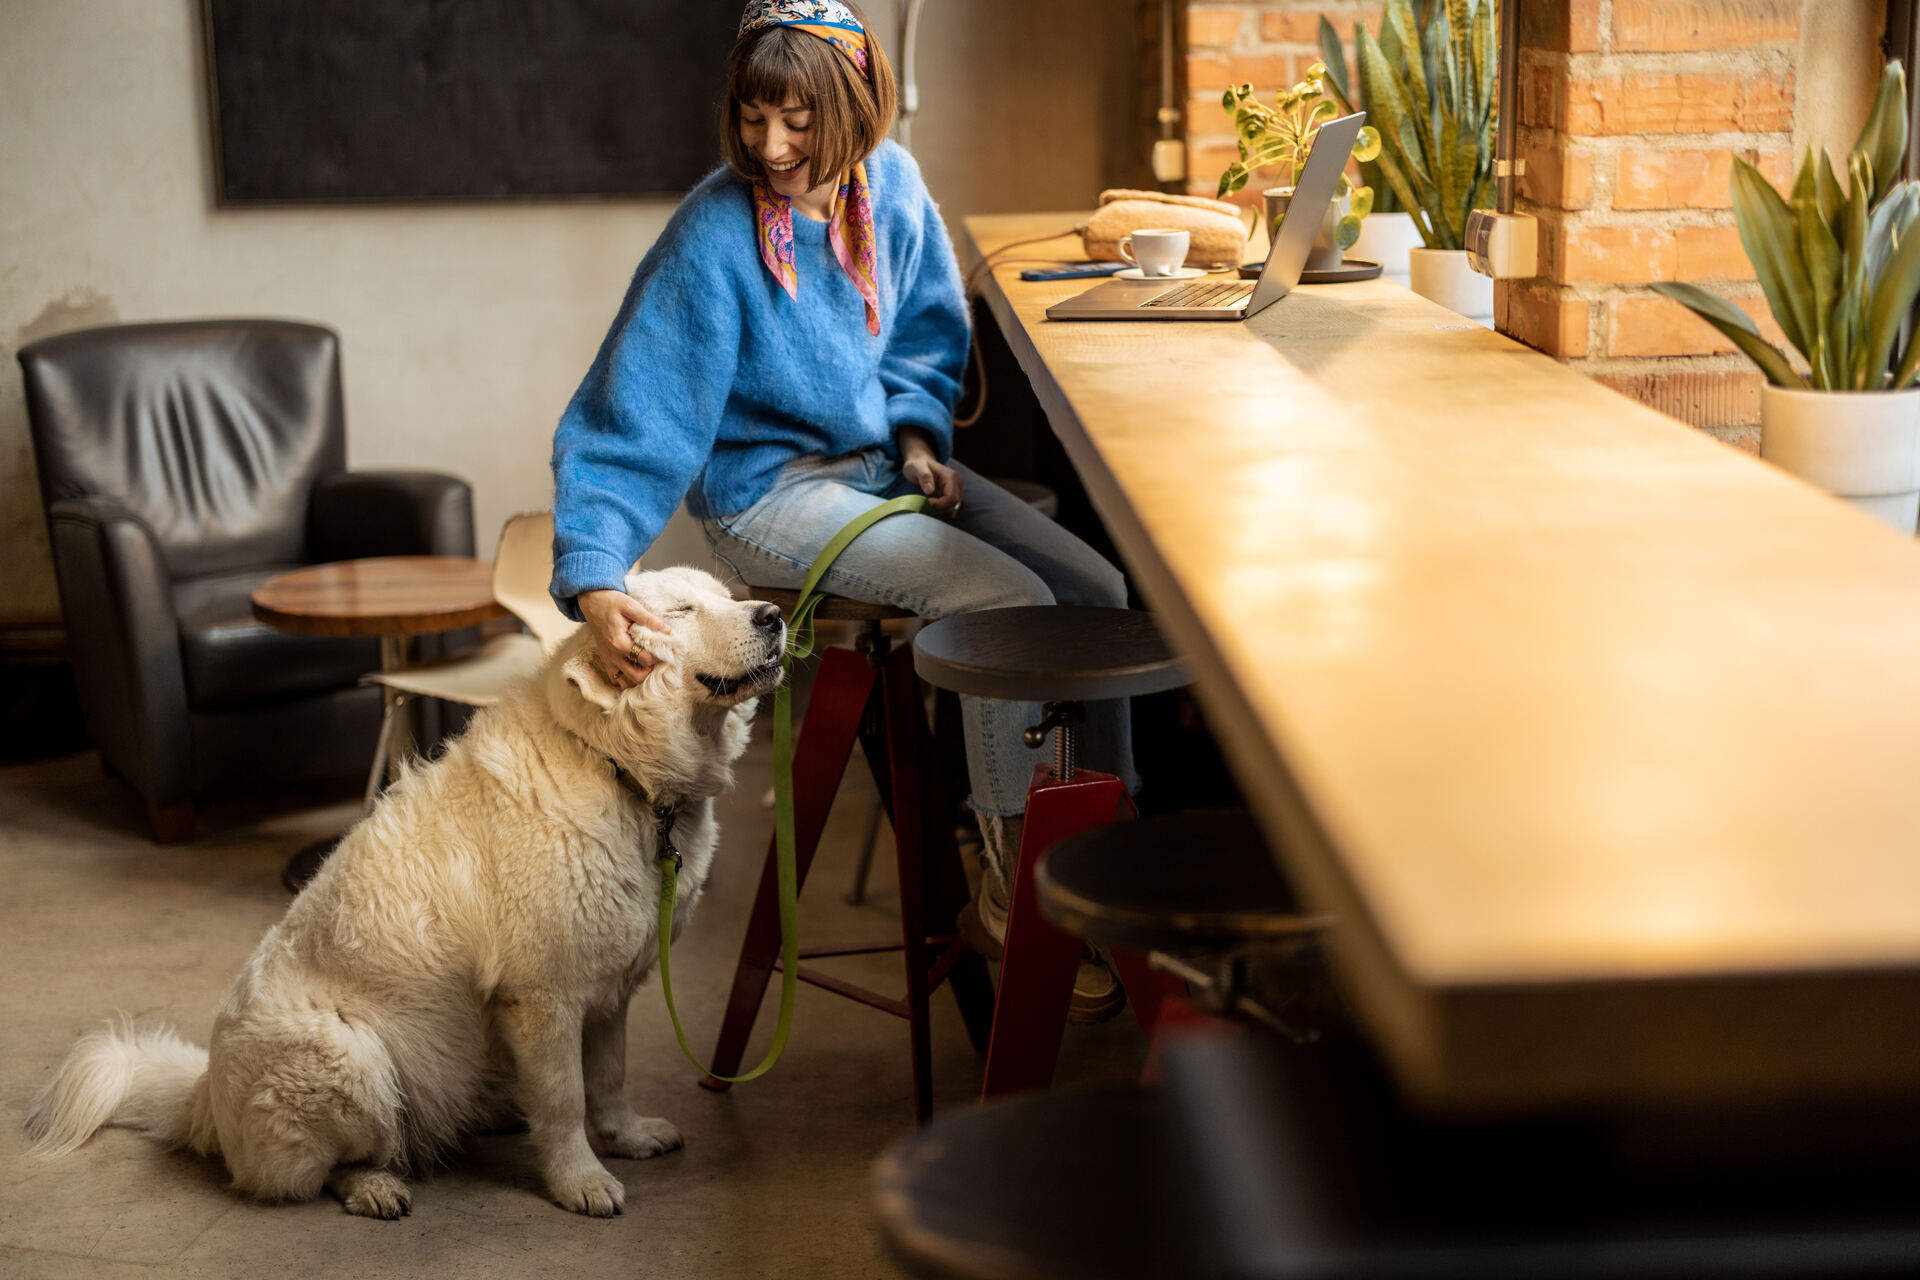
(1600, 739)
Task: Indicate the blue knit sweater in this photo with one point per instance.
(712, 379)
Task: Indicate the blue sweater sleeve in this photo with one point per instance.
(641, 425)
(927, 354)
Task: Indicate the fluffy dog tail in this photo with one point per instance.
(144, 1078)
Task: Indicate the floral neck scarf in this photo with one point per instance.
(850, 223)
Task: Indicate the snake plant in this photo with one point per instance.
(1284, 134)
(1428, 82)
(1840, 269)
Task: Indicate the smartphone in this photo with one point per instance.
(1075, 271)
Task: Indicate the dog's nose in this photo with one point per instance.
(766, 616)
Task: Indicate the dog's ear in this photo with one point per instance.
(583, 672)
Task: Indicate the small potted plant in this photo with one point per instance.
(1283, 134)
(1429, 82)
(1840, 267)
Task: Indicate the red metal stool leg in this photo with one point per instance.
(826, 738)
(932, 884)
(1036, 973)
(906, 725)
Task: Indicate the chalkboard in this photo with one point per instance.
(405, 100)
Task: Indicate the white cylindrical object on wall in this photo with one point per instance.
(1863, 446)
(1444, 276)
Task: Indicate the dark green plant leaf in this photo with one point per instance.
(1398, 18)
(1771, 239)
(1459, 41)
(1485, 63)
(1890, 304)
(1463, 161)
(1804, 185)
(1738, 327)
(1432, 41)
(1883, 138)
(1335, 56)
(1887, 225)
(1821, 254)
(1854, 223)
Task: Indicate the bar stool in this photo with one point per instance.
(1062, 656)
(868, 695)
(1199, 892)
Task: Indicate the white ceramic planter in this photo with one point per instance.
(1387, 238)
(1444, 276)
(1863, 446)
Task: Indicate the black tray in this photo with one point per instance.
(1351, 269)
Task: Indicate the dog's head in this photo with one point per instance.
(720, 652)
(681, 728)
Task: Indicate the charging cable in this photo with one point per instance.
(976, 280)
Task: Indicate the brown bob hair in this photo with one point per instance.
(850, 115)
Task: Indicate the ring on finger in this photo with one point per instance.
(633, 655)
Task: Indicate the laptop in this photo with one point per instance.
(1216, 299)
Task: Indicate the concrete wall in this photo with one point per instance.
(464, 327)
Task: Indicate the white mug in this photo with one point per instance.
(1160, 250)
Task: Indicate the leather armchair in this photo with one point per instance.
(181, 465)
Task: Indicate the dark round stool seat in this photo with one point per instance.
(830, 609)
(1085, 1183)
(1048, 653)
(1175, 882)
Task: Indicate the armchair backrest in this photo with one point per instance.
(212, 431)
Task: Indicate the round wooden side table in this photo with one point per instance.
(393, 598)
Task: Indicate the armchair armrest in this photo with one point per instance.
(390, 513)
(116, 593)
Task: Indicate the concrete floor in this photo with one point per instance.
(774, 1177)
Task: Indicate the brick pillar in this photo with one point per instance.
(1629, 110)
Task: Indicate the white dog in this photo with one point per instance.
(473, 942)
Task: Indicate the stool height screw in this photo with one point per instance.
(874, 641)
(1062, 718)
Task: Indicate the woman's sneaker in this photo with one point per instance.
(1097, 993)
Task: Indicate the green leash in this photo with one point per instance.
(799, 645)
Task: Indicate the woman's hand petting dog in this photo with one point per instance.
(611, 617)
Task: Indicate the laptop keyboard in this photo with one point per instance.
(1229, 293)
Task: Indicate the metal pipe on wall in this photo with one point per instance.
(909, 86)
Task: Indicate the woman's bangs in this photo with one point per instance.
(776, 72)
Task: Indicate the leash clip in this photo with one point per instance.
(665, 817)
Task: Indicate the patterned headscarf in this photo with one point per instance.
(850, 224)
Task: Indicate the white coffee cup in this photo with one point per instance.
(1159, 251)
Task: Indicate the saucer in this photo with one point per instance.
(1133, 273)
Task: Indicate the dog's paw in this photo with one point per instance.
(376, 1193)
(635, 1137)
(594, 1192)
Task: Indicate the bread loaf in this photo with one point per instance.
(1216, 234)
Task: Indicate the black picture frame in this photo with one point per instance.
(327, 101)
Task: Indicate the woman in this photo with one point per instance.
(788, 356)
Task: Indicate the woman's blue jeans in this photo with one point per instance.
(996, 553)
